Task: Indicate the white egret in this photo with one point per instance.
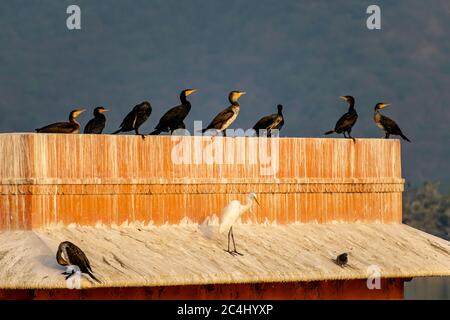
(230, 214)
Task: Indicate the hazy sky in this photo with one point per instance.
(302, 54)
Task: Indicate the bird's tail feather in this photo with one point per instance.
(329, 132)
(155, 132)
(93, 277)
(404, 137)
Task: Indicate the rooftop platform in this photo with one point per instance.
(138, 256)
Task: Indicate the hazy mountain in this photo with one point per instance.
(303, 54)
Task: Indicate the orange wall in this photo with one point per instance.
(324, 290)
(48, 178)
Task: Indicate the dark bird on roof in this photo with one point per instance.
(388, 125)
(272, 122)
(69, 254)
(342, 259)
(136, 118)
(64, 127)
(96, 124)
(173, 118)
(225, 118)
(347, 121)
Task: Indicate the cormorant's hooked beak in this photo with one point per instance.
(79, 111)
(104, 110)
(384, 105)
(189, 92)
(343, 98)
(241, 93)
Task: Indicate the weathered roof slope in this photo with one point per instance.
(191, 254)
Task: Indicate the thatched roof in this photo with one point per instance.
(191, 254)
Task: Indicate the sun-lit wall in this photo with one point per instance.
(85, 179)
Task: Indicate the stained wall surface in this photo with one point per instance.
(48, 179)
(391, 289)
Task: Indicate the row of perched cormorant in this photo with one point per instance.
(174, 119)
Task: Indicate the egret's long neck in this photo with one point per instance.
(248, 204)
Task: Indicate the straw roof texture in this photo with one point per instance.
(134, 255)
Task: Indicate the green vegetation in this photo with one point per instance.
(428, 209)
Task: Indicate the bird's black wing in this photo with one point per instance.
(265, 122)
(390, 126)
(346, 122)
(129, 121)
(78, 258)
(172, 118)
(221, 118)
(95, 125)
(141, 117)
(59, 127)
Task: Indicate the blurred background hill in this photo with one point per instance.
(302, 54)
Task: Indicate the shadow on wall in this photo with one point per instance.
(428, 288)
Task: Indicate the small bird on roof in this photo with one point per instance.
(64, 127)
(96, 124)
(342, 259)
(347, 121)
(173, 119)
(272, 122)
(230, 214)
(69, 254)
(226, 117)
(136, 118)
(388, 125)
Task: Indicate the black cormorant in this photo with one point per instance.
(97, 124)
(388, 125)
(69, 254)
(225, 118)
(347, 121)
(173, 118)
(64, 127)
(136, 118)
(271, 122)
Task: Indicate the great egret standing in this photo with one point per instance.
(230, 214)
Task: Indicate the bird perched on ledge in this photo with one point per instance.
(97, 124)
(230, 214)
(272, 122)
(342, 259)
(136, 118)
(225, 118)
(388, 125)
(64, 127)
(347, 121)
(173, 119)
(69, 254)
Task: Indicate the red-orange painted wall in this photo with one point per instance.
(323, 290)
(48, 179)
